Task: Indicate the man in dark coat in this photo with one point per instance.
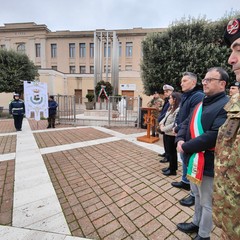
(196, 140)
(52, 110)
(191, 96)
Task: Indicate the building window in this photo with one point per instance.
(129, 48)
(91, 69)
(53, 50)
(3, 46)
(82, 50)
(128, 68)
(21, 48)
(119, 68)
(120, 49)
(72, 69)
(38, 49)
(54, 68)
(91, 50)
(82, 69)
(105, 50)
(105, 68)
(72, 50)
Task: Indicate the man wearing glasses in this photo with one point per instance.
(196, 140)
(226, 196)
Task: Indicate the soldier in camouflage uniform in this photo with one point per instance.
(157, 103)
(226, 197)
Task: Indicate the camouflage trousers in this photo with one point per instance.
(224, 236)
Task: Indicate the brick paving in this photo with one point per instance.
(127, 130)
(113, 190)
(6, 191)
(7, 126)
(116, 191)
(55, 138)
(42, 124)
(8, 144)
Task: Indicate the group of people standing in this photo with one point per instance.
(203, 127)
(17, 110)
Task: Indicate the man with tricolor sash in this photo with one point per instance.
(196, 140)
(226, 195)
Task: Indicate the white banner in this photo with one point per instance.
(35, 99)
(129, 87)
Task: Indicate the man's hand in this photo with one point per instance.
(179, 146)
(174, 130)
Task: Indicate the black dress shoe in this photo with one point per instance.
(162, 154)
(201, 238)
(165, 169)
(169, 173)
(181, 185)
(164, 160)
(187, 227)
(188, 201)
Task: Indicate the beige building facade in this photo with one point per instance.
(65, 59)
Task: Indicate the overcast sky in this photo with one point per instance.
(77, 15)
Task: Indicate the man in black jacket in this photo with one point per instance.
(196, 140)
(52, 110)
(191, 96)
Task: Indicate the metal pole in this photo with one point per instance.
(109, 110)
(100, 49)
(96, 61)
(74, 110)
(115, 63)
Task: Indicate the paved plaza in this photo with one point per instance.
(86, 182)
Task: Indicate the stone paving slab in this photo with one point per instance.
(28, 234)
(35, 205)
(116, 191)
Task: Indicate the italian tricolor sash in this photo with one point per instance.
(196, 161)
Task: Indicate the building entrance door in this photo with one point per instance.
(130, 97)
(78, 96)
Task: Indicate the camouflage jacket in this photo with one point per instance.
(226, 196)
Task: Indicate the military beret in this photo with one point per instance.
(232, 31)
(167, 87)
(235, 84)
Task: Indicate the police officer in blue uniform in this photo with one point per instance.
(17, 109)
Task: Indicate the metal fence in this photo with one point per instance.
(117, 111)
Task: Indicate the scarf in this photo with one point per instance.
(196, 161)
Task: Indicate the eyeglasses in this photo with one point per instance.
(208, 80)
